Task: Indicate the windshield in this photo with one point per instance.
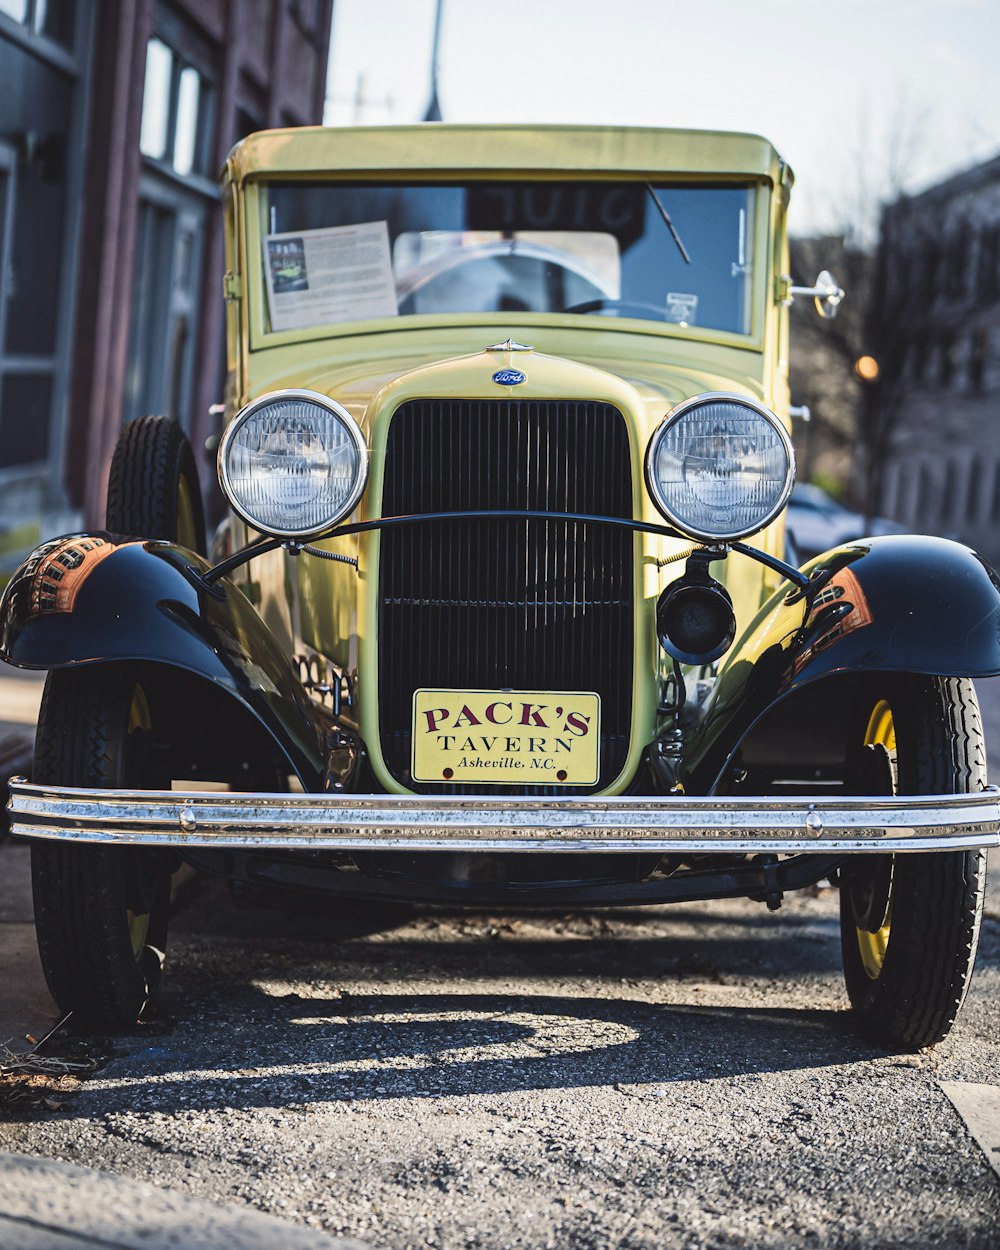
(335, 252)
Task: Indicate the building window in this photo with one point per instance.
(912, 483)
(919, 360)
(891, 488)
(39, 192)
(26, 402)
(53, 19)
(897, 272)
(930, 263)
(926, 485)
(176, 127)
(995, 508)
(987, 275)
(977, 359)
(186, 128)
(946, 360)
(956, 262)
(897, 495)
(973, 494)
(949, 496)
(308, 14)
(155, 125)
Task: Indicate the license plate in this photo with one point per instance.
(506, 737)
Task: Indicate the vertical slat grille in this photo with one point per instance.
(506, 604)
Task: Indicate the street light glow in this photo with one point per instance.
(866, 368)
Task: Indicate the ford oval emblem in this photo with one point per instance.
(509, 377)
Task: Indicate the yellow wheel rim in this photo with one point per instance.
(881, 731)
(874, 945)
(138, 930)
(187, 531)
(138, 718)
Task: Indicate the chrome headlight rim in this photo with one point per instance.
(672, 418)
(265, 401)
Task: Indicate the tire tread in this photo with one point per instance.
(78, 890)
(938, 897)
(151, 455)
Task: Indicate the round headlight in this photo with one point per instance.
(293, 464)
(720, 467)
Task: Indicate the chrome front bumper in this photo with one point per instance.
(444, 823)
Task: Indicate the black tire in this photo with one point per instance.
(907, 978)
(100, 911)
(153, 489)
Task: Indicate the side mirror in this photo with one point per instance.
(825, 292)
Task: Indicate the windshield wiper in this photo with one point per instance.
(669, 223)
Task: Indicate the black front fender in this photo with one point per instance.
(99, 598)
(902, 603)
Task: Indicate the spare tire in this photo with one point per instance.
(153, 489)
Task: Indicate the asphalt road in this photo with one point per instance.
(670, 1077)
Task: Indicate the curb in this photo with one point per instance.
(49, 1205)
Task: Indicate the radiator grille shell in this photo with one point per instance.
(506, 604)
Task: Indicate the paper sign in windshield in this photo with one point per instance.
(315, 277)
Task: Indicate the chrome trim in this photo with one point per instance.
(508, 345)
(827, 294)
(443, 822)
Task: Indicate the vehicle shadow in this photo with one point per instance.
(209, 907)
(253, 1050)
(605, 945)
(250, 1019)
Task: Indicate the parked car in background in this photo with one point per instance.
(816, 522)
(499, 615)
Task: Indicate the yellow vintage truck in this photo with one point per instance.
(501, 614)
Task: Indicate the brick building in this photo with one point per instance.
(930, 430)
(115, 119)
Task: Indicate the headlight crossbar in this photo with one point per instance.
(265, 544)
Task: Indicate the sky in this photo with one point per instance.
(863, 98)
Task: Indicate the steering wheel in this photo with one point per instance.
(618, 308)
(416, 279)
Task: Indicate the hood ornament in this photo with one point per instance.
(511, 345)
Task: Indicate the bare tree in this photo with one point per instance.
(854, 418)
(823, 358)
(879, 161)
